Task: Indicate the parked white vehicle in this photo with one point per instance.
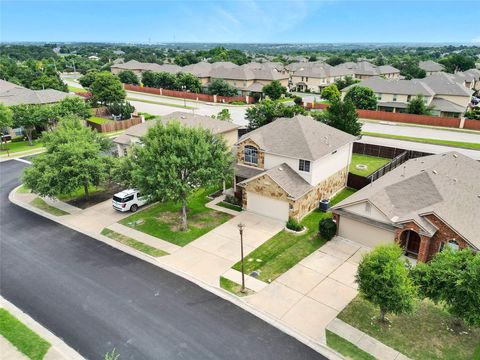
(128, 200)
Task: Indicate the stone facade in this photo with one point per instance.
(264, 185)
(241, 154)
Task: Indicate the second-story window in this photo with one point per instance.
(250, 154)
(394, 97)
(304, 165)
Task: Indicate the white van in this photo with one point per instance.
(128, 200)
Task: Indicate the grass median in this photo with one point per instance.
(39, 203)
(459, 144)
(160, 103)
(346, 348)
(138, 245)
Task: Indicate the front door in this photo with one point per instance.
(411, 242)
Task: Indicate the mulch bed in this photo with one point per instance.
(110, 190)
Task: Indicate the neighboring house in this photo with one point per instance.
(134, 134)
(13, 94)
(431, 67)
(449, 98)
(424, 205)
(138, 68)
(316, 76)
(94, 57)
(469, 78)
(286, 167)
(365, 70)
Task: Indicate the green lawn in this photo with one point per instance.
(147, 249)
(163, 219)
(23, 338)
(42, 205)
(76, 89)
(233, 287)
(23, 189)
(346, 348)
(460, 144)
(99, 120)
(14, 147)
(79, 193)
(229, 206)
(424, 334)
(160, 103)
(373, 163)
(284, 250)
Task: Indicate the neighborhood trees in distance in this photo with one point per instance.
(128, 77)
(174, 161)
(417, 106)
(362, 97)
(74, 159)
(274, 90)
(458, 62)
(331, 93)
(268, 110)
(221, 87)
(340, 115)
(383, 279)
(107, 89)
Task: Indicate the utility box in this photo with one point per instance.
(324, 205)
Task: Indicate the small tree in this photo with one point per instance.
(224, 115)
(331, 93)
(417, 106)
(148, 79)
(362, 97)
(87, 80)
(274, 90)
(28, 117)
(347, 81)
(342, 116)
(72, 105)
(74, 159)
(327, 228)
(128, 77)
(124, 110)
(188, 81)
(6, 120)
(174, 161)
(268, 110)
(221, 87)
(383, 279)
(453, 278)
(107, 89)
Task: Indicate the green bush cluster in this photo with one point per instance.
(294, 225)
(327, 228)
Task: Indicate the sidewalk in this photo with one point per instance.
(58, 351)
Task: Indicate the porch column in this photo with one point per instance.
(424, 247)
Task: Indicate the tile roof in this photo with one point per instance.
(444, 184)
(300, 137)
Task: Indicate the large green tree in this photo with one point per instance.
(268, 110)
(362, 97)
(458, 62)
(74, 158)
(187, 81)
(221, 87)
(107, 89)
(128, 77)
(274, 90)
(87, 80)
(452, 278)
(342, 116)
(73, 105)
(6, 120)
(331, 93)
(29, 117)
(383, 279)
(174, 161)
(347, 81)
(417, 106)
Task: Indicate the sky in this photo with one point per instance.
(245, 21)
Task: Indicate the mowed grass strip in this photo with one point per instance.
(233, 287)
(22, 337)
(373, 163)
(160, 103)
(138, 245)
(18, 146)
(284, 250)
(459, 144)
(163, 220)
(427, 333)
(346, 348)
(39, 203)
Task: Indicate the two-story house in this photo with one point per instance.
(285, 168)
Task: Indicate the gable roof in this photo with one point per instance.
(13, 94)
(405, 87)
(300, 137)
(430, 65)
(444, 184)
(445, 84)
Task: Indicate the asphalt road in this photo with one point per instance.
(98, 298)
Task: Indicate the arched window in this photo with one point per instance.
(452, 244)
(250, 154)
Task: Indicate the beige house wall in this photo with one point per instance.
(231, 137)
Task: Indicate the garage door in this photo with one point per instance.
(267, 206)
(365, 234)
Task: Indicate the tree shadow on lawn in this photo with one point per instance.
(100, 194)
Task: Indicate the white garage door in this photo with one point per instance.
(365, 234)
(266, 206)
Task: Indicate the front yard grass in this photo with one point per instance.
(424, 334)
(39, 203)
(76, 89)
(284, 250)
(373, 163)
(161, 103)
(163, 220)
(138, 245)
(18, 146)
(233, 287)
(346, 348)
(22, 337)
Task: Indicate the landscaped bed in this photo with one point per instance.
(372, 163)
(23, 338)
(97, 194)
(163, 220)
(286, 249)
(428, 333)
(227, 205)
(138, 245)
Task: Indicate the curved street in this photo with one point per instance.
(98, 298)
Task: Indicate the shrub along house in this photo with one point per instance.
(424, 205)
(285, 168)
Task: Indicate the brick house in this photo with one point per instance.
(424, 205)
(286, 167)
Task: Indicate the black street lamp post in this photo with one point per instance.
(241, 226)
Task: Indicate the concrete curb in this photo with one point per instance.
(59, 349)
(321, 348)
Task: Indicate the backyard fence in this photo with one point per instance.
(115, 125)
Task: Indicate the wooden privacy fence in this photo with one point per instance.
(384, 151)
(189, 95)
(471, 124)
(115, 125)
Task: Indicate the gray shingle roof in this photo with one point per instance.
(446, 106)
(444, 184)
(404, 87)
(445, 84)
(300, 137)
(430, 65)
(12, 94)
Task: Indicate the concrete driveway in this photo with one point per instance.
(312, 293)
(211, 255)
